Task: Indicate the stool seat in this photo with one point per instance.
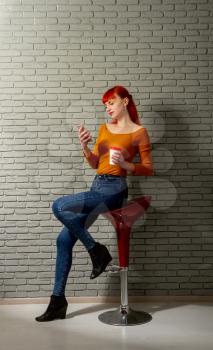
(129, 213)
(123, 219)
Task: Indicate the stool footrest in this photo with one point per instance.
(112, 268)
(124, 317)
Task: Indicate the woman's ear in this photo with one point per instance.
(126, 101)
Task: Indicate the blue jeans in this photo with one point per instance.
(78, 212)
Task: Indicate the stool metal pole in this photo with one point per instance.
(124, 315)
(124, 287)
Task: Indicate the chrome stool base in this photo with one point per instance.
(124, 317)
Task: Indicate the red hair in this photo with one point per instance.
(122, 92)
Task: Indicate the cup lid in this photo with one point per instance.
(116, 148)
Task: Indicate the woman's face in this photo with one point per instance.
(116, 106)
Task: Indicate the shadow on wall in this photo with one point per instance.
(172, 248)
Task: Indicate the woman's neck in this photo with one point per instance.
(124, 122)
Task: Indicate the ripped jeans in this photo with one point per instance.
(78, 212)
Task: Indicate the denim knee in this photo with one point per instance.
(56, 208)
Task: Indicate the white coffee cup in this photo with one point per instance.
(112, 151)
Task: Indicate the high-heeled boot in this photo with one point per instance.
(100, 257)
(56, 309)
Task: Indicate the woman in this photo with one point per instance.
(108, 191)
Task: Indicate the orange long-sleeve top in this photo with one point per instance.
(131, 144)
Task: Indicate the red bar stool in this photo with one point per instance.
(122, 219)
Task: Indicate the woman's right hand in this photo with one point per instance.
(84, 136)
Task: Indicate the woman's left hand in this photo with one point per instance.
(118, 159)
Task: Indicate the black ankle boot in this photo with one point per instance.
(100, 259)
(56, 309)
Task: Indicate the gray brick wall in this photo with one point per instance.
(57, 58)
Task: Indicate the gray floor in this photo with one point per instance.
(174, 326)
